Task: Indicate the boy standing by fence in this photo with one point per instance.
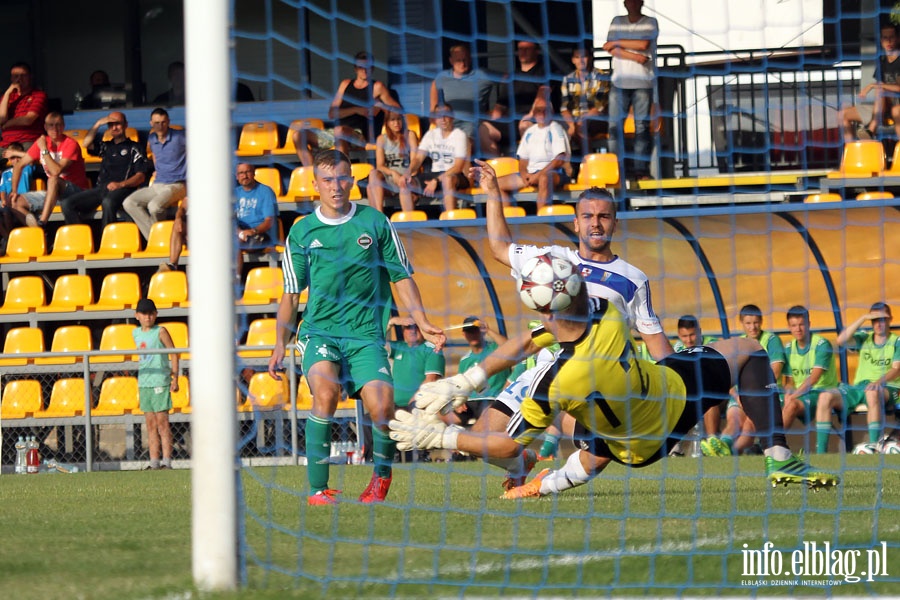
(155, 382)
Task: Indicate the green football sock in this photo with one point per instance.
(823, 428)
(318, 451)
(383, 448)
(728, 441)
(550, 445)
(874, 432)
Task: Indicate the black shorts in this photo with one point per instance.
(462, 182)
(707, 379)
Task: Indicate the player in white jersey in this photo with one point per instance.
(607, 276)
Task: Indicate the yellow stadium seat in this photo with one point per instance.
(71, 340)
(504, 165)
(271, 177)
(257, 138)
(304, 395)
(119, 240)
(78, 136)
(458, 214)
(23, 294)
(875, 196)
(264, 285)
(262, 332)
(118, 396)
(118, 291)
(402, 216)
(181, 400)
(24, 245)
(600, 170)
(21, 398)
(817, 198)
(555, 210)
(66, 399)
(300, 186)
(297, 125)
(511, 212)
(158, 243)
(894, 170)
(71, 242)
(178, 331)
(70, 293)
(413, 124)
(864, 158)
(346, 404)
(266, 393)
(21, 340)
(360, 171)
(116, 337)
(169, 289)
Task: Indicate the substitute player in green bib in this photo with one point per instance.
(877, 380)
(809, 368)
(347, 255)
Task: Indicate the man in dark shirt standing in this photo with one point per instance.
(123, 168)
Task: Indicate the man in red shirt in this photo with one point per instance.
(22, 109)
(63, 163)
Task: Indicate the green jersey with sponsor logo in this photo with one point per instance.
(801, 361)
(874, 360)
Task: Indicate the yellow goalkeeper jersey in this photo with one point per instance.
(633, 404)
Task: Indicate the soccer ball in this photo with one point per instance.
(890, 447)
(865, 448)
(548, 283)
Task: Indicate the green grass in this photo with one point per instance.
(673, 528)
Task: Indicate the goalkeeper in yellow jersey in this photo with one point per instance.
(627, 410)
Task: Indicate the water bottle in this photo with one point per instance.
(21, 450)
(32, 457)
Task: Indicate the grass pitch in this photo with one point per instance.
(676, 528)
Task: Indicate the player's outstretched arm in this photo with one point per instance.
(499, 236)
(411, 300)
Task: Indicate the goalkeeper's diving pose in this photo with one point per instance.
(627, 410)
(606, 276)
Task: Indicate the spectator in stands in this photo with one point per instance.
(473, 93)
(393, 150)
(518, 95)
(357, 108)
(544, 154)
(13, 154)
(255, 213)
(585, 99)
(865, 118)
(810, 368)
(123, 169)
(448, 148)
(178, 239)
(92, 101)
(169, 148)
(156, 382)
(63, 163)
(174, 96)
(632, 43)
(476, 332)
(23, 108)
(877, 380)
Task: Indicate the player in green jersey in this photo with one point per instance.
(877, 379)
(347, 255)
(810, 368)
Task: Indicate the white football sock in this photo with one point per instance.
(778, 452)
(571, 475)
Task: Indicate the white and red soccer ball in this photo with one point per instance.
(548, 283)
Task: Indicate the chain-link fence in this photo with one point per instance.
(87, 412)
